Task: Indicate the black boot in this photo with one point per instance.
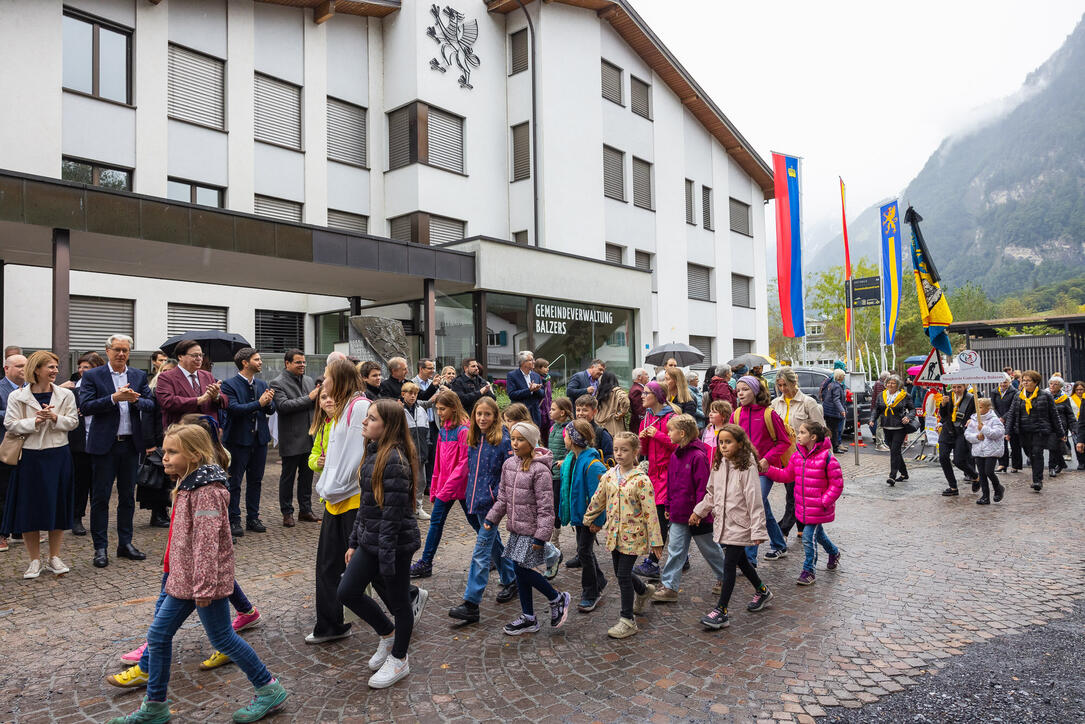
(466, 611)
(1000, 491)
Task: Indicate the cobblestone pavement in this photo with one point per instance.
(922, 577)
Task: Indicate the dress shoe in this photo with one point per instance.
(101, 559)
(236, 530)
(131, 552)
(288, 521)
(256, 526)
(159, 520)
(306, 516)
(77, 528)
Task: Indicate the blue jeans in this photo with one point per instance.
(216, 622)
(678, 548)
(488, 547)
(437, 526)
(812, 535)
(528, 580)
(776, 536)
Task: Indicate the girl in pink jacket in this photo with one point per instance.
(818, 480)
(657, 448)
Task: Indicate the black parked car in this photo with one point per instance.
(810, 381)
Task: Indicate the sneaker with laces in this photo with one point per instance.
(130, 678)
(776, 554)
(267, 699)
(419, 603)
(806, 578)
(421, 513)
(245, 621)
(133, 656)
(717, 589)
(214, 661)
(760, 600)
(149, 712)
(522, 624)
(834, 561)
(716, 619)
(56, 566)
(390, 672)
(625, 628)
(34, 570)
(664, 595)
(421, 569)
(559, 609)
(640, 601)
(647, 569)
(384, 650)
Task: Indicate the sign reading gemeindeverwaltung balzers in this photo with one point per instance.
(552, 318)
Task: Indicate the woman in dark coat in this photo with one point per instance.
(1033, 420)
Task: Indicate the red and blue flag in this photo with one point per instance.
(789, 243)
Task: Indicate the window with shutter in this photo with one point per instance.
(445, 140)
(348, 221)
(521, 152)
(518, 52)
(740, 217)
(182, 318)
(277, 112)
(399, 137)
(699, 279)
(196, 88)
(614, 253)
(399, 228)
(640, 97)
(642, 260)
(278, 331)
(92, 319)
(706, 208)
(346, 132)
(689, 203)
(613, 173)
(704, 346)
(521, 237)
(443, 229)
(612, 82)
(740, 347)
(642, 183)
(277, 208)
(741, 293)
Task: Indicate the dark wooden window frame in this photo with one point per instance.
(97, 167)
(418, 135)
(97, 24)
(193, 185)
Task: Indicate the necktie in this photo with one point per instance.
(195, 382)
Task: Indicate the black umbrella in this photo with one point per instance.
(749, 361)
(219, 346)
(682, 353)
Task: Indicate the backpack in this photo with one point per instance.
(786, 456)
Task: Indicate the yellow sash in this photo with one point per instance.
(897, 398)
(956, 402)
(1060, 400)
(1028, 400)
(787, 410)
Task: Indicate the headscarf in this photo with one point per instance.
(575, 436)
(752, 382)
(657, 389)
(529, 431)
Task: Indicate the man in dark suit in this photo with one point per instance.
(585, 382)
(115, 395)
(295, 395)
(471, 385)
(246, 437)
(187, 388)
(14, 378)
(524, 385)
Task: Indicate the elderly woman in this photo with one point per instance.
(795, 407)
(893, 410)
(1065, 412)
(697, 394)
(40, 493)
(1077, 401)
(834, 406)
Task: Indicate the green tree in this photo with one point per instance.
(781, 347)
(970, 302)
(1066, 304)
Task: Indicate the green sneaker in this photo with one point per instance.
(150, 712)
(267, 699)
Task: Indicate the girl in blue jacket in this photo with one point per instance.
(580, 474)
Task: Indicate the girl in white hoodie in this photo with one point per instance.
(985, 431)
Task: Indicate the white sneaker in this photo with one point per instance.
(384, 651)
(56, 566)
(392, 671)
(419, 603)
(34, 570)
(421, 513)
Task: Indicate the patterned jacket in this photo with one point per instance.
(632, 525)
(200, 551)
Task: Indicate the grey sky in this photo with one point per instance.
(863, 90)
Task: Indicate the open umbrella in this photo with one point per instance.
(914, 369)
(682, 353)
(915, 359)
(751, 360)
(219, 346)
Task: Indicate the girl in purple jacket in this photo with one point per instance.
(818, 480)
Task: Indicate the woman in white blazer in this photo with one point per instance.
(40, 494)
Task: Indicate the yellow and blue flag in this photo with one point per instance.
(892, 269)
(933, 305)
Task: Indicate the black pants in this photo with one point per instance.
(394, 590)
(296, 466)
(120, 464)
(330, 549)
(961, 451)
(1033, 445)
(592, 579)
(788, 521)
(431, 455)
(664, 528)
(735, 557)
(83, 474)
(1055, 458)
(628, 582)
(836, 429)
(5, 475)
(246, 461)
(895, 440)
(986, 469)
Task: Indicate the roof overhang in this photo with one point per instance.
(636, 33)
(325, 9)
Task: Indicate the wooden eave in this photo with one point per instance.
(370, 9)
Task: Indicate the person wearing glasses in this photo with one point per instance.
(187, 387)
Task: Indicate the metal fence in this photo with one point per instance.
(1046, 354)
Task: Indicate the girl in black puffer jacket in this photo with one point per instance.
(1032, 419)
(385, 536)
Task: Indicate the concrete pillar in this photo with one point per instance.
(429, 318)
(62, 264)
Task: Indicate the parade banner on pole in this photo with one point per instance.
(933, 306)
(789, 244)
(892, 271)
(847, 260)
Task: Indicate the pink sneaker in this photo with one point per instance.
(133, 656)
(246, 620)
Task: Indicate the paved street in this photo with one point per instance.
(922, 578)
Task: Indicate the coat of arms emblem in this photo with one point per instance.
(455, 35)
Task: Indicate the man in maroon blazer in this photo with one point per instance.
(187, 388)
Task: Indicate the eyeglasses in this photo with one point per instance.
(195, 355)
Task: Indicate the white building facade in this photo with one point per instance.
(579, 163)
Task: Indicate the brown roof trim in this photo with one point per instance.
(635, 31)
(368, 8)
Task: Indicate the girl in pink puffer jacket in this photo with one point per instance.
(819, 481)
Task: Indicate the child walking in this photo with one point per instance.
(561, 413)
(733, 498)
(986, 432)
(580, 474)
(719, 412)
(624, 502)
(200, 577)
(526, 496)
(819, 481)
(418, 422)
(656, 446)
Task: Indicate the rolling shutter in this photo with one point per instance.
(399, 228)
(642, 260)
(741, 346)
(277, 208)
(706, 208)
(640, 97)
(612, 82)
(613, 173)
(181, 318)
(521, 152)
(740, 291)
(740, 217)
(614, 253)
(196, 88)
(399, 138)
(443, 230)
(699, 280)
(704, 345)
(445, 140)
(689, 203)
(348, 221)
(346, 132)
(518, 52)
(278, 112)
(642, 183)
(279, 331)
(92, 319)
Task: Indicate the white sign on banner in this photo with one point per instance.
(969, 371)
